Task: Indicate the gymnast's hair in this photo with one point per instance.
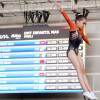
(79, 17)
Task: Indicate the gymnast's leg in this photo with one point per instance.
(74, 59)
(84, 74)
(85, 77)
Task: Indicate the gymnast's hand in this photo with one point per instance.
(89, 43)
(58, 6)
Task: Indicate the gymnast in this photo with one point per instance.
(75, 38)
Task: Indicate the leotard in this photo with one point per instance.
(76, 35)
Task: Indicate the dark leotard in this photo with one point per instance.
(76, 35)
(74, 41)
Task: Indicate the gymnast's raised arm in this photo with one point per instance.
(71, 24)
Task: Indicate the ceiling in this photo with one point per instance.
(12, 11)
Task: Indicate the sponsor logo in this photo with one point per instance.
(4, 36)
(16, 36)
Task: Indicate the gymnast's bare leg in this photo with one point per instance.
(85, 77)
(74, 60)
(84, 74)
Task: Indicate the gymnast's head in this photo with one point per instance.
(80, 20)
